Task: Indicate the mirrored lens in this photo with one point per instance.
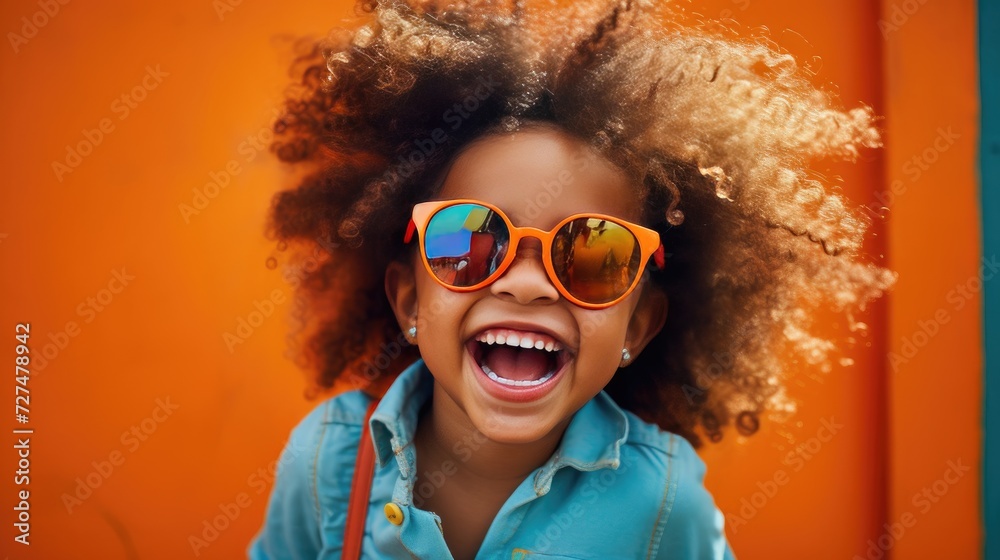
(596, 260)
(464, 244)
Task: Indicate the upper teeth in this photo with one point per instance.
(520, 339)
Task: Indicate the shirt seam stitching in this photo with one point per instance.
(315, 469)
(653, 544)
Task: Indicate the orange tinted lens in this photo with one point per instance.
(596, 260)
(464, 244)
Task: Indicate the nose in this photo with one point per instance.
(525, 280)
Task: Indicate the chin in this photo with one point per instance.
(514, 430)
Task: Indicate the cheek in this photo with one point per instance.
(436, 305)
(602, 334)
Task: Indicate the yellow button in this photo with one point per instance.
(394, 514)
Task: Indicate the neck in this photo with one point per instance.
(445, 433)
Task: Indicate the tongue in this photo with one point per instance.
(517, 364)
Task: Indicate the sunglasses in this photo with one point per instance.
(595, 261)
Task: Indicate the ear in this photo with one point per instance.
(401, 289)
(648, 318)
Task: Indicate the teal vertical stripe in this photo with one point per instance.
(989, 153)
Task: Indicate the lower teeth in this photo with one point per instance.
(516, 383)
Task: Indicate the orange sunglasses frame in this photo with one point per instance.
(649, 246)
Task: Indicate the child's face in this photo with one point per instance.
(536, 176)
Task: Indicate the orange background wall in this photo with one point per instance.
(172, 426)
(935, 329)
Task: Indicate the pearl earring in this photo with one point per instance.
(626, 357)
(412, 332)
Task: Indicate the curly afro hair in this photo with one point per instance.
(716, 131)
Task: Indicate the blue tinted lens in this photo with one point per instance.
(465, 244)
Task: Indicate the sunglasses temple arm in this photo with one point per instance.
(410, 229)
(658, 257)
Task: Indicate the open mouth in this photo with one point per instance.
(518, 359)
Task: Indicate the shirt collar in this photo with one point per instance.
(394, 421)
(592, 440)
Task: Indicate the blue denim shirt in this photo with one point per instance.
(615, 488)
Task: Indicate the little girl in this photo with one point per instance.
(560, 246)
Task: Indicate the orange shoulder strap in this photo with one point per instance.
(361, 486)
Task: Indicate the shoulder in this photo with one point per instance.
(334, 422)
(312, 478)
(344, 408)
(310, 434)
(687, 521)
(654, 448)
(329, 436)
